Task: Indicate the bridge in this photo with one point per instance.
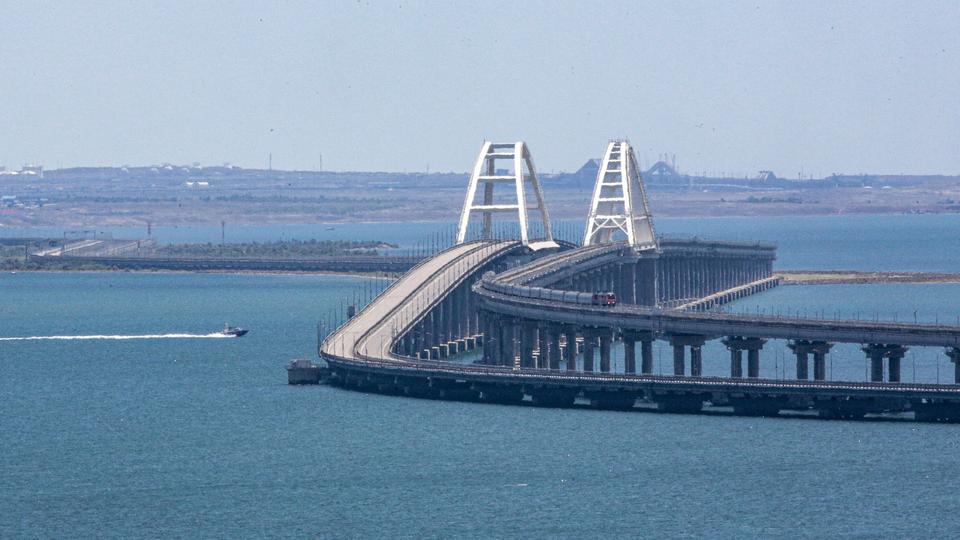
(525, 321)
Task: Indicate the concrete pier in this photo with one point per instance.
(605, 342)
(570, 352)
(589, 345)
(737, 345)
(895, 354)
(876, 352)
(679, 342)
(630, 339)
(954, 354)
(528, 342)
(543, 339)
(629, 354)
(820, 350)
(696, 361)
(753, 361)
(801, 348)
(646, 356)
(553, 332)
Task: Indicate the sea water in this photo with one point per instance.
(202, 437)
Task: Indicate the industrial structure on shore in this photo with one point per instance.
(530, 304)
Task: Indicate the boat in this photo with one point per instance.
(234, 331)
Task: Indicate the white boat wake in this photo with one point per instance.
(215, 335)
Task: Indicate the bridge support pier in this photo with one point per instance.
(508, 349)
(752, 346)
(553, 358)
(433, 334)
(629, 354)
(954, 354)
(589, 344)
(605, 341)
(753, 362)
(820, 350)
(646, 356)
(895, 353)
(678, 360)
(679, 341)
(543, 361)
(570, 351)
(528, 342)
(736, 363)
(877, 352)
(630, 338)
(801, 348)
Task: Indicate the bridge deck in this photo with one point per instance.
(371, 333)
(366, 341)
(515, 293)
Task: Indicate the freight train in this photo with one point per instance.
(606, 299)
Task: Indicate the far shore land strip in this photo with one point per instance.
(847, 277)
(12, 259)
(193, 195)
(220, 195)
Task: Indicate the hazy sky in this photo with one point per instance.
(826, 87)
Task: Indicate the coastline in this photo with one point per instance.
(712, 212)
(854, 277)
(370, 275)
(788, 277)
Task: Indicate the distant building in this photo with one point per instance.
(766, 176)
(8, 201)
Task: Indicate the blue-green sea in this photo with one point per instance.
(200, 437)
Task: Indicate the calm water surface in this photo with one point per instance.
(203, 438)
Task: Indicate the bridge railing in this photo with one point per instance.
(366, 307)
(337, 334)
(485, 254)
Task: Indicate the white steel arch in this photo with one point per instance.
(619, 202)
(485, 172)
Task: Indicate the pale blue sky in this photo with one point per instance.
(735, 87)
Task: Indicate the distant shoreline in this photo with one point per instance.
(789, 277)
(369, 275)
(664, 214)
(853, 277)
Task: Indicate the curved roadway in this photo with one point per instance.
(369, 336)
(365, 342)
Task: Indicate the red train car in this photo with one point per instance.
(604, 299)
